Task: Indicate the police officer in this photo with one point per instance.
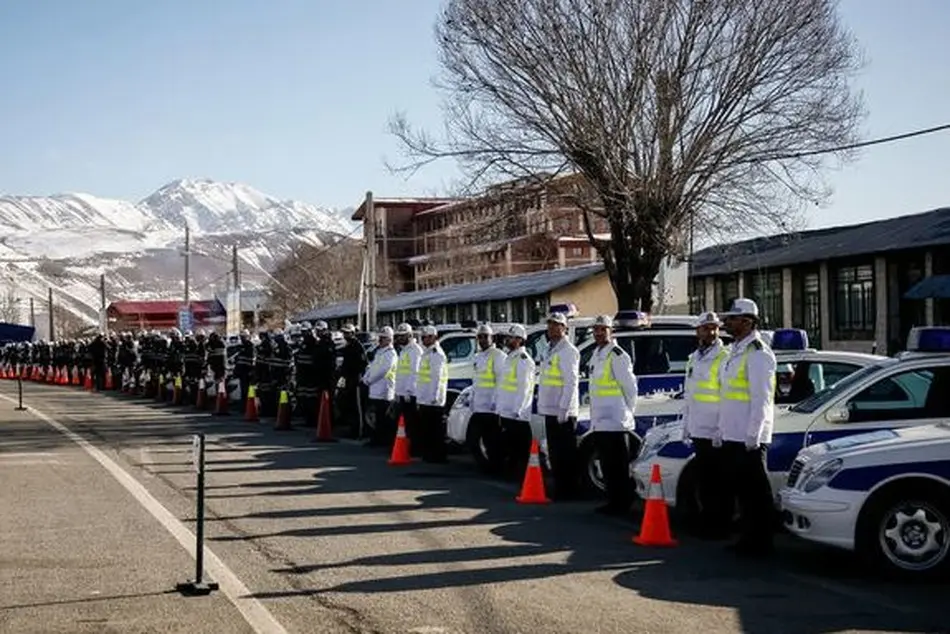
(380, 379)
(351, 370)
(613, 398)
(513, 402)
(701, 399)
(745, 422)
(558, 402)
(483, 424)
(407, 369)
(431, 385)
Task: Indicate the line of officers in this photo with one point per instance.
(728, 412)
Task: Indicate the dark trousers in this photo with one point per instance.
(407, 408)
(516, 440)
(563, 456)
(383, 432)
(488, 430)
(432, 431)
(99, 377)
(308, 405)
(613, 450)
(245, 383)
(748, 480)
(351, 407)
(716, 509)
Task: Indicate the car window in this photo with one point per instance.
(827, 373)
(821, 398)
(653, 354)
(909, 395)
(797, 381)
(537, 345)
(458, 348)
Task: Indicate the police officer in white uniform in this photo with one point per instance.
(513, 403)
(613, 398)
(701, 399)
(380, 378)
(431, 385)
(483, 424)
(558, 402)
(746, 416)
(407, 368)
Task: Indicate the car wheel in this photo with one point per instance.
(592, 476)
(475, 442)
(688, 503)
(905, 531)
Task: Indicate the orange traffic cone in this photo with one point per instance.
(87, 385)
(655, 529)
(109, 383)
(202, 395)
(324, 424)
(400, 455)
(251, 409)
(283, 412)
(76, 382)
(50, 375)
(176, 391)
(532, 489)
(221, 403)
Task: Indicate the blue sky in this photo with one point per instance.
(116, 98)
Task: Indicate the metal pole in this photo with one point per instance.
(52, 332)
(102, 303)
(187, 265)
(32, 314)
(371, 262)
(200, 516)
(19, 387)
(234, 265)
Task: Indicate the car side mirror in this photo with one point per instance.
(838, 415)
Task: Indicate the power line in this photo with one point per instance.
(858, 145)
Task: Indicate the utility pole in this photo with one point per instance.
(234, 267)
(52, 333)
(370, 263)
(103, 320)
(187, 266)
(32, 314)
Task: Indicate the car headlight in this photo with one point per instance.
(818, 476)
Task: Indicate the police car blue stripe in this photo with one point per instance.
(866, 478)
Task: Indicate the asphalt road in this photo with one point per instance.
(328, 538)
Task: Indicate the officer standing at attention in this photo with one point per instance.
(558, 402)
(701, 399)
(380, 378)
(745, 421)
(431, 384)
(613, 398)
(407, 370)
(489, 363)
(513, 403)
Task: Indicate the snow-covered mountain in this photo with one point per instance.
(67, 241)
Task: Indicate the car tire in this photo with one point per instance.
(688, 505)
(476, 447)
(591, 476)
(903, 531)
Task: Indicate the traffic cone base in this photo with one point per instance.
(283, 412)
(221, 402)
(532, 489)
(655, 528)
(251, 408)
(400, 455)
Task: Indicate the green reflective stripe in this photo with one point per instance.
(425, 371)
(708, 391)
(404, 367)
(606, 384)
(510, 381)
(486, 378)
(551, 375)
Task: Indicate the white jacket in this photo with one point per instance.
(489, 366)
(380, 375)
(701, 392)
(432, 379)
(612, 389)
(751, 420)
(515, 391)
(407, 366)
(557, 384)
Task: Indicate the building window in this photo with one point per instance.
(854, 311)
(517, 310)
(806, 305)
(484, 311)
(499, 311)
(451, 313)
(766, 291)
(697, 295)
(727, 289)
(465, 312)
(537, 309)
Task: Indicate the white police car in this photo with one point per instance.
(887, 393)
(885, 495)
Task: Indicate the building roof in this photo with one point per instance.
(164, 307)
(401, 203)
(497, 289)
(931, 228)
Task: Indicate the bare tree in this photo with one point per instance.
(10, 309)
(313, 276)
(713, 113)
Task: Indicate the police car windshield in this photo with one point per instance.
(817, 400)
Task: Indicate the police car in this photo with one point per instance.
(885, 495)
(886, 393)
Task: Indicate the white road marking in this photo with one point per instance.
(257, 616)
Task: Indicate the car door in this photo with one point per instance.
(905, 397)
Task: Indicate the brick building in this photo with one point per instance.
(510, 229)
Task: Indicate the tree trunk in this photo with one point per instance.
(632, 265)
